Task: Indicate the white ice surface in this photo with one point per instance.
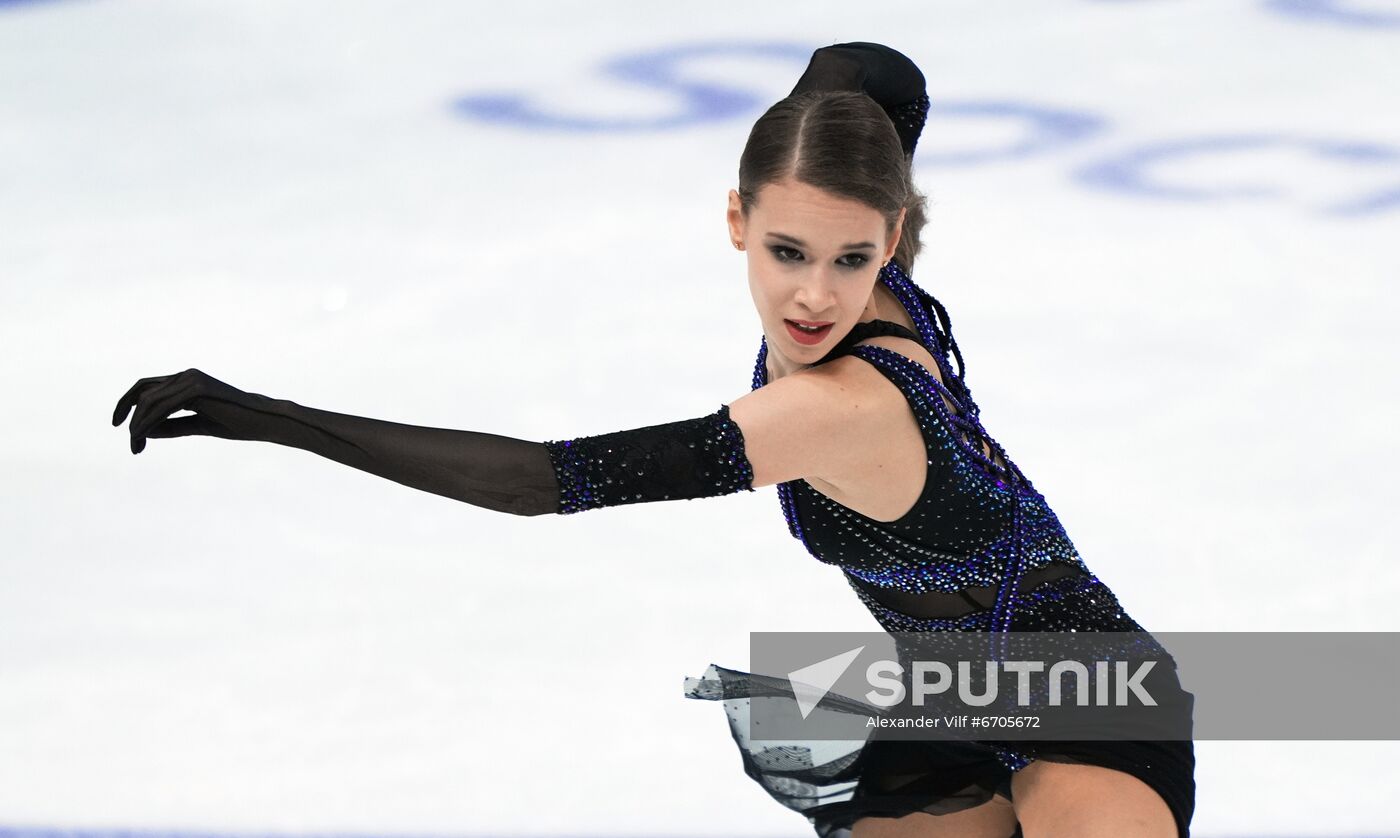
(236, 636)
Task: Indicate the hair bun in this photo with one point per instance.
(884, 74)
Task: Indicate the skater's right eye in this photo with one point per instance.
(779, 253)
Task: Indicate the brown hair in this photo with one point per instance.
(841, 141)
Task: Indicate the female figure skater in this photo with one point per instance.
(882, 465)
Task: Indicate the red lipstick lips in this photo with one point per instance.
(807, 337)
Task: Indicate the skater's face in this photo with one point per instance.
(814, 258)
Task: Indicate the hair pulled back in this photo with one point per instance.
(843, 142)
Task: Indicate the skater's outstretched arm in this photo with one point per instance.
(487, 470)
(798, 425)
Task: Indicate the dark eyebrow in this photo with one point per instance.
(801, 243)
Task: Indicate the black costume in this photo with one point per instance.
(979, 551)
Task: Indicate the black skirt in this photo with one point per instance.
(835, 783)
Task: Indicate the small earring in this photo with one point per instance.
(739, 245)
(885, 264)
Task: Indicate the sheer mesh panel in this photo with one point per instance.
(940, 604)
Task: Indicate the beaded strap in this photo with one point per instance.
(919, 303)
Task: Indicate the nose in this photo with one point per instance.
(815, 294)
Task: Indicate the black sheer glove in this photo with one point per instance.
(884, 74)
(692, 458)
(495, 472)
(688, 459)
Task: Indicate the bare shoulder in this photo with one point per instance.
(892, 416)
(816, 423)
(911, 349)
(876, 463)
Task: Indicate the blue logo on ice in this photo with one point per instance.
(698, 101)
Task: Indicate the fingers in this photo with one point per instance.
(186, 426)
(157, 397)
(132, 396)
(155, 406)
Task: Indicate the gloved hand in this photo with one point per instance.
(495, 472)
(221, 410)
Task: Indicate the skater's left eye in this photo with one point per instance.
(781, 254)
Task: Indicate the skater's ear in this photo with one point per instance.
(734, 219)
